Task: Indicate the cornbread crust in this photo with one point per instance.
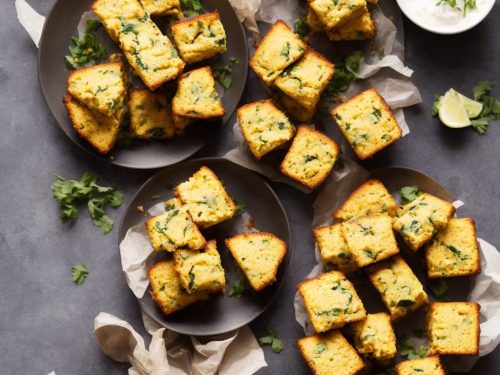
(170, 8)
(422, 366)
(336, 13)
(359, 28)
(333, 247)
(313, 21)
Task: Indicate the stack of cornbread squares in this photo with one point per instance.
(363, 237)
(97, 96)
(195, 272)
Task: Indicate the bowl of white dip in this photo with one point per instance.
(441, 17)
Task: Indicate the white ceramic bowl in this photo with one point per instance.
(444, 20)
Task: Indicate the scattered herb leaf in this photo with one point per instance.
(191, 8)
(239, 289)
(272, 340)
(87, 49)
(79, 273)
(406, 349)
(301, 27)
(240, 207)
(409, 194)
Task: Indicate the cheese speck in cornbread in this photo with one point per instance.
(333, 247)
(360, 28)
(311, 157)
(264, 127)
(333, 13)
(167, 290)
(453, 328)
(259, 255)
(422, 366)
(171, 8)
(398, 286)
(330, 353)
(206, 198)
(200, 270)
(420, 219)
(331, 301)
(279, 48)
(375, 338)
(367, 123)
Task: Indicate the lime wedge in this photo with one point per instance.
(452, 111)
(472, 107)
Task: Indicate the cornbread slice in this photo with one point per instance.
(99, 130)
(313, 21)
(359, 28)
(196, 96)
(293, 108)
(259, 255)
(454, 250)
(199, 38)
(167, 290)
(420, 219)
(375, 338)
(398, 286)
(102, 88)
(305, 80)
(333, 247)
(171, 8)
(331, 301)
(206, 198)
(264, 127)
(147, 50)
(174, 229)
(370, 238)
(279, 48)
(150, 116)
(333, 13)
(311, 157)
(200, 270)
(453, 328)
(423, 366)
(329, 354)
(367, 123)
(370, 198)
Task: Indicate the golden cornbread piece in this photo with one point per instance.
(333, 13)
(375, 338)
(264, 127)
(279, 48)
(423, 366)
(454, 250)
(102, 88)
(311, 157)
(200, 270)
(398, 286)
(371, 197)
(359, 28)
(259, 255)
(199, 38)
(367, 123)
(293, 108)
(333, 247)
(206, 198)
(420, 219)
(170, 8)
(331, 301)
(174, 229)
(314, 22)
(329, 354)
(147, 50)
(150, 116)
(370, 239)
(167, 290)
(99, 130)
(196, 96)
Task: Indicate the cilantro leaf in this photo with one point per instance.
(239, 289)
(435, 106)
(223, 72)
(87, 49)
(272, 340)
(481, 89)
(409, 194)
(406, 349)
(240, 207)
(79, 273)
(301, 27)
(438, 288)
(191, 8)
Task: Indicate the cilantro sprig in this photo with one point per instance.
(223, 72)
(409, 194)
(467, 5)
(491, 107)
(406, 349)
(87, 49)
(272, 340)
(191, 8)
(79, 273)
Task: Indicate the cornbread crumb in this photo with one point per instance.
(423, 366)
(335, 13)
(333, 247)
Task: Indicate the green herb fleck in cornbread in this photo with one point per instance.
(333, 13)
(360, 28)
(423, 366)
(333, 247)
(171, 8)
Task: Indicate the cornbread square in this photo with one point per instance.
(99, 130)
(279, 48)
(200, 270)
(329, 354)
(196, 96)
(147, 50)
(333, 247)
(174, 229)
(454, 250)
(199, 38)
(259, 255)
(150, 116)
(331, 301)
(206, 198)
(359, 28)
(367, 123)
(171, 8)
(371, 197)
(420, 219)
(293, 108)
(370, 239)
(305, 80)
(313, 21)
(375, 338)
(102, 88)
(264, 127)
(398, 286)
(423, 366)
(333, 13)
(311, 157)
(167, 290)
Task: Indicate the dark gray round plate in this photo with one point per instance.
(62, 23)
(220, 314)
